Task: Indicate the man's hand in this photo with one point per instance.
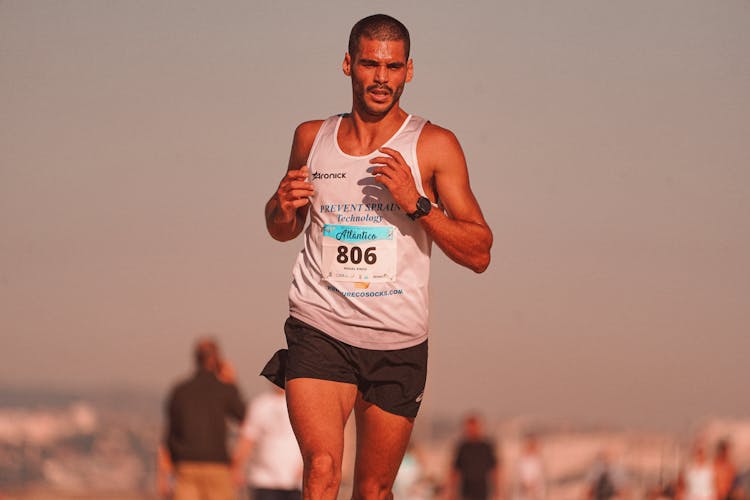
(226, 372)
(164, 471)
(239, 477)
(393, 172)
(240, 455)
(293, 192)
(164, 486)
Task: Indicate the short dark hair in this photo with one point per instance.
(378, 27)
(206, 352)
(722, 447)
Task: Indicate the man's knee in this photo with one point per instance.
(322, 468)
(372, 489)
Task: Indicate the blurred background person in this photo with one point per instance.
(267, 455)
(193, 461)
(741, 490)
(725, 472)
(411, 481)
(606, 480)
(530, 479)
(697, 481)
(475, 474)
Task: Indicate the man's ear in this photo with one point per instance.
(409, 70)
(347, 64)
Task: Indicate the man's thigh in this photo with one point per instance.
(211, 482)
(318, 411)
(382, 438)
(187, 483)
(324, 379)
(184, 490)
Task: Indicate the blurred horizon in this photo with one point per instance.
(104, 447)
(606, 142)
(149, 402)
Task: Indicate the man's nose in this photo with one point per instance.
(381, 74)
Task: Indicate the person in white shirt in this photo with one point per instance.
(697, 480)
(530, 475)
(267, 456)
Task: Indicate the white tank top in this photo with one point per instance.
(363, 274)
(699, 482)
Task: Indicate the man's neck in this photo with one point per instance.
(361, 134)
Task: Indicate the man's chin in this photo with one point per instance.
(379, 110)
(376, 109)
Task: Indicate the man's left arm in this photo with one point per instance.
(461, 233)
(497, 476)
(498, 482)
(240, 456)
(236, 406)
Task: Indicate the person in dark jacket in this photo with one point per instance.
(476, 469)
(193, 453)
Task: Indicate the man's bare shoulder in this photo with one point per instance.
(306, 131)
(437, 144)
(304, 137)
(435, 136)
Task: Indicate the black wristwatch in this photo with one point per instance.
(424, 205)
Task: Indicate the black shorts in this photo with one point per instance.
(269, 494)
(393, 380)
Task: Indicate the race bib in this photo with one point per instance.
(359, 253)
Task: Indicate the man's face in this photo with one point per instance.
(379, 72)
(473, 428)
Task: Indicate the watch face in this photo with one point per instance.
(424, 205)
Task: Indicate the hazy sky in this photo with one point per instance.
(607, 144)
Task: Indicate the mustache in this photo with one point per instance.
(380, 87)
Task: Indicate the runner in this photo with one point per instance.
(378, 185)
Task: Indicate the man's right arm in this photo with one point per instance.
(240, 456)
(164, 464)
(164, 471)
(286, 211)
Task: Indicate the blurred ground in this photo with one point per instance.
(47, 494)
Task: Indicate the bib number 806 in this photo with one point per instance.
(355, 255)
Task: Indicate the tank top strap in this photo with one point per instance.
(326, 131)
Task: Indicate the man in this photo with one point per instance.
(606, 479)
(697, 480)
(531, 483)
(725, 471)
(275, 471)
(476, 473)
(370, 182)
(194, 450)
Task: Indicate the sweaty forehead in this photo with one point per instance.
(382, 50)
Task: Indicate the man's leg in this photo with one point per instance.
(186, 482)
(382, 439)
(217, 483)
(318, 410)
